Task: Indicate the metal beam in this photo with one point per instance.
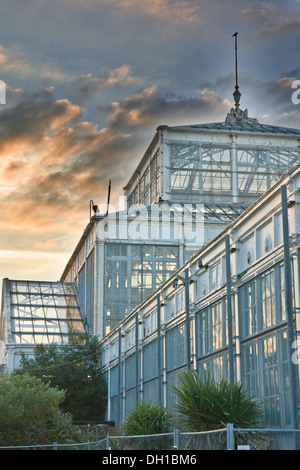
(159, 350)
(120, 376)
(289, 309)
(137, 356)
(229, 310)
(188, 323)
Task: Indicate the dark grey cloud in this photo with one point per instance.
(32, 115)
(151, 108)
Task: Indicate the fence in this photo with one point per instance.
(228, 438)
(263, 439)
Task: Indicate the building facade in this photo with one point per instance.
(237, 321)
(190, 184)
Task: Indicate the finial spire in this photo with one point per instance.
(237, 114)
(236, 94)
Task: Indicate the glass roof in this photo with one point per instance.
(44, 312)
(243, 126)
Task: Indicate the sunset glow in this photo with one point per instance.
(87, 84)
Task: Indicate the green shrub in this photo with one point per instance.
(202, 404)
(144, 420)
(30, 413)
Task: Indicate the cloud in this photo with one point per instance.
(275, 99)
(31, 117)
(174, 11)
(149, 108)
(85, 86)
(285, 119)
(283, 27)
(53, 163)
(270, 22)
(47, 245)
(121, 75)
(254, 16)
(15, 62)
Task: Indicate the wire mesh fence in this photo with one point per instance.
(147, 442)
(266, 439)
(210, 440)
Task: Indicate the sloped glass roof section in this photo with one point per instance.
(44, 312)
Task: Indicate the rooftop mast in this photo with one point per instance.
(236, 94)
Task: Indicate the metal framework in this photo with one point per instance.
(236, 314)
(132, 273)
(44, 312)
(232, 162)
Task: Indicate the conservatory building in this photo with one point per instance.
(190, 184)
(194, 185)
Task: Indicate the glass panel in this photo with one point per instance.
(268, 299)
(270, 375)
(175, 341)
(44, 312)
(248, 310)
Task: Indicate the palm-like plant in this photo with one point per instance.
(202, 404)
(144, 420)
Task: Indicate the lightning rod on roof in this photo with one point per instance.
(236, 94)
(108, 197)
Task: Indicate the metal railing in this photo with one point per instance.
(229, 438)
(262, 439)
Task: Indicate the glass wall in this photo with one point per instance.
(212, 339)
(175, 360)
(210, 171)
(147, 189)
(114, 394)
(260, 345)
(150, 371)
(264, 343)
(130, 383)
(212, 328)
(86, 287)
(259, 169)
(132, 273)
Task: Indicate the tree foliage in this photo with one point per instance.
(74, 368)
(30, 413)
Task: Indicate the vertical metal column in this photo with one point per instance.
(229, 310)
(289, 309)
(230, 436)
(234, 174)
(298, 275)
(120, 376)
(137, 356)
(188, 323)
(159, 350)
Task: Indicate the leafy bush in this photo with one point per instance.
(30, 413)
(147, 419)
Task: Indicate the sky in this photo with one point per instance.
(88, 82)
